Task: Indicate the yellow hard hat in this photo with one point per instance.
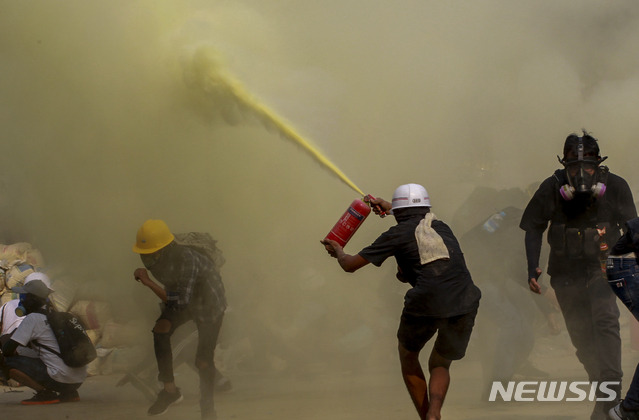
(152, 236)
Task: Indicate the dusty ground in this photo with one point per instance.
(373, 394)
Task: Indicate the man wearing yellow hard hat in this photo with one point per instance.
(191, 288)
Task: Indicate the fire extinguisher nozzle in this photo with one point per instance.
(368, 199)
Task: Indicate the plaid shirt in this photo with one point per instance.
(192, 280)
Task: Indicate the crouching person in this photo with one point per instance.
(44, 372)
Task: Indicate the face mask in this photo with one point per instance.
(29, 303)
(149, 260)
(582, 179)
(582, 171)
(21, 310)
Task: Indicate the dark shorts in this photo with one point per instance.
(35, 369)
(453, 334)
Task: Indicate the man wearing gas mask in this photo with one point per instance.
(586, 206)
(42, 370)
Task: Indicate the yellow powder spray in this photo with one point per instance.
(205, 72)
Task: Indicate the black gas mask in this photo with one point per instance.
(582, 169)
(29, 303)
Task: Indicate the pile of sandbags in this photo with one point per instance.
(17, 261)
(120, 350)
(117, 343)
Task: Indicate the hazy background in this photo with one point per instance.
(99, 132)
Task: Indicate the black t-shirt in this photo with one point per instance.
(614, 208)
(442, 288)
(629, 242)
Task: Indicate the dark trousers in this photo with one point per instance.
(35, 369)
(623, 278)
(590, 310)
(208, 333)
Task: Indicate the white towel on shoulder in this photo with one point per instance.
(431, 245)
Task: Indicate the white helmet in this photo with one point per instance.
(410, 195)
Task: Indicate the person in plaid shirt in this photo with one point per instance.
(190, 287)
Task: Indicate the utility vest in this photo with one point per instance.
(581, 229)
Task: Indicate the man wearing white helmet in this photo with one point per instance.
(443, 298)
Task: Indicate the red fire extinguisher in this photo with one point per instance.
(350, 221)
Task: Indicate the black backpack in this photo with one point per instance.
(76, 348)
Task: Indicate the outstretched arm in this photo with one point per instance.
(349, 263)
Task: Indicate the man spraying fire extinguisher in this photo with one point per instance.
(443, 299)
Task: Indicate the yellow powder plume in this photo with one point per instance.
(205, 72)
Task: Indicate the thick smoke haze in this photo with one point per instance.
(100, 132)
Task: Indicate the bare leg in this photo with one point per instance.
(438, 384)
(414, 379)
(25, 380)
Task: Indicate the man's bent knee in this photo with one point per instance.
(202, 364)
(408, 358)
(162, 326)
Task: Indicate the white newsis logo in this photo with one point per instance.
(553, 391)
